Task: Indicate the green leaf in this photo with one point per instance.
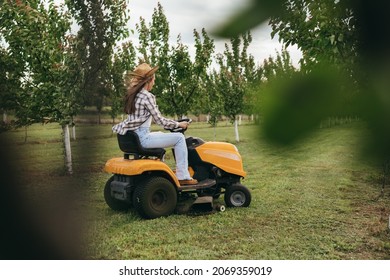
(294, 107)
(256, 13)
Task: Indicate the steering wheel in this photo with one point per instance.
(179, 129)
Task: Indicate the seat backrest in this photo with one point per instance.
(130, 145)
(129, 142)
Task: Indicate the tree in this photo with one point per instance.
(154, 49)
(237, 69)
(213, 101)
(322, 30)
(10, 84)
(203, 58)
(37, 41)
(179, 77)
(272, 70)
(123, 60)
(101, 24)
(187, 77)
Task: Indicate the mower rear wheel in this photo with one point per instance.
(155, 197)
(237, 195)
(113, 203)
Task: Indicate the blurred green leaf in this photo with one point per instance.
(295, 106)
(252, 15)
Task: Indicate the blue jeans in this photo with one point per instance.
(165, 140)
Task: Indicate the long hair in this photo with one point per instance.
(129, 99)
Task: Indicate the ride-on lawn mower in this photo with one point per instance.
(143, 180)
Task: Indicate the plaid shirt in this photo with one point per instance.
(145, 106)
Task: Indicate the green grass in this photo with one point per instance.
(316, 200)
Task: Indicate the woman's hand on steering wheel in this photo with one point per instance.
(184, 124)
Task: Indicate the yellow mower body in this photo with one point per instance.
(133, 167)
(222, 155)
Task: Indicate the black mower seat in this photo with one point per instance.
(130, 145)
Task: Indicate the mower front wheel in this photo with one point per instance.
(237, 195)
(155, 197)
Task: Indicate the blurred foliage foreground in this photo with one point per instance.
(345, 67)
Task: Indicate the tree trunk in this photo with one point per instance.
(74, 132)
(68, 151)
(5, 118)
(236, 130)
(25, 134)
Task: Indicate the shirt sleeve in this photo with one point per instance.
(151, 106)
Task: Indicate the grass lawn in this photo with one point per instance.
(316, 200)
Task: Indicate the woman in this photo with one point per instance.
(141, 107)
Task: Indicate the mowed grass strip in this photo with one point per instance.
(315, 200)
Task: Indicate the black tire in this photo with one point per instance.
(113, 203)
(237, 195)
(155, 197)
